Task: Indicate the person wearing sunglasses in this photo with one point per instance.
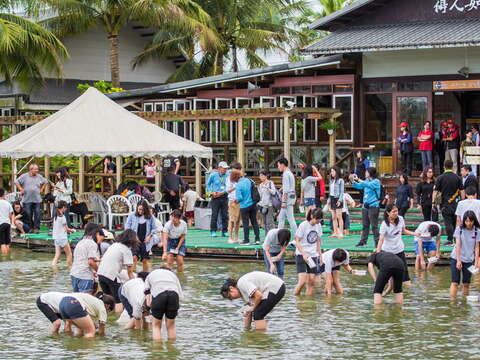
(261, 290)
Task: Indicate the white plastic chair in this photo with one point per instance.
(163, 212)
(134, 200)
(13, 196)
(111, 214)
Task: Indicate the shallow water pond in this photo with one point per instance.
(428, 326)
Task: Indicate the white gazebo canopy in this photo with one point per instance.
(94, 125)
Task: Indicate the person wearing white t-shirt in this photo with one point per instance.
(391, 230)
(132, 296)
(117, 256)
(60, 233)
(332, 259)
(189, 198)
(174, 234)
(429, 231)
(261, 290)
(6, 220)
(307, 254)
(49, 304)
(470, 203)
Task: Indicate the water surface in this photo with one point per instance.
(428, 326)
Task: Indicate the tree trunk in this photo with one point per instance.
(114, 65)
(220, 64)
(235, 58)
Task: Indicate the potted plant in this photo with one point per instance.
(330, 126)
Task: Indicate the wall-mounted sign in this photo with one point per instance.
(456, 85)
(444, 6)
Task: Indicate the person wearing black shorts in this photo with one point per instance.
(49, 304)
(261, 290)
(390, 266)
(163, 293)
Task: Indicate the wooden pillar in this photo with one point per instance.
(158, 173)
(81, 175)
(286, 137)
(198, 168)
(119, 163)
(331, 145)
(240, 143)
(14, 174)
(47, 171)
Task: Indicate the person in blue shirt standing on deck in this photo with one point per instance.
(372, 190)
(216, 185)
(248, 208)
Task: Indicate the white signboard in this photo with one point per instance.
(444, 6)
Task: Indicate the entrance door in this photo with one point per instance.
(415, 109)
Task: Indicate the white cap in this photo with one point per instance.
(223, 164)
(108, 235)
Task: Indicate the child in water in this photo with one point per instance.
(174, 233)
(60, 234)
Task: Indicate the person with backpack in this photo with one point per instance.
(248, 198)
(266, 189)
(373, 197)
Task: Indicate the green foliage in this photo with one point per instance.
(328, 125)
(102, 86)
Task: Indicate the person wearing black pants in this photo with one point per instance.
(449, 219)
(424, 192)
(250, 213)
(219, 206)
(370, 219)
(390, 266)
(248, 207)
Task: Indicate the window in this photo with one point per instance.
(186, 129)
(324, 101)
(341, 88)
(182, 104)
(267, 102)
(310, 129)
(158, 107)
(202, 104)
(268, 129)
(301, 90)
(168, 106)
(415, 86)
(345, 121)
(284, 99)
(223, 103)
(170, 126)
(243, 103)
(224, 130)
(280, 90)
(380, 86)
(378, 117)
(322, 88)
(249, 130)
(206, 131)
(293, 130)
(309, 101)
(148, 107)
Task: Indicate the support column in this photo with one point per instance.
(331, 145)
(47, 171)
(286, 137)
(198, 168)
(118, 177)
(240, 143)
(158, 173)
(81, 174)
(14, 174)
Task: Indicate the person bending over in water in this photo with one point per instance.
(85, 310)
(390, 266)
(465, 253)
(174, 233)
(49, 304)
(332, 259)
(307, 254)
(163, 293)
(428, 231)
(274, 247)
(132, 296)
(261, 290)
(117, 256)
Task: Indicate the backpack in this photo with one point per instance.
(254, 192)
(381, 196)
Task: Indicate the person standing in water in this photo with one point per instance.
(391, 267)
(60, 233)
(465, 253)
(308, 252)
(428, 231)
(274, 247)
(261, 290)
(163, 294)
(132, 296)
(174, 234)
(6, 221)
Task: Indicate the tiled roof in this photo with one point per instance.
(414, 35)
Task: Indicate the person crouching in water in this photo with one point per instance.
(85, 310)
(132, 296)
(174, 233)
(60, 233)
(261, 290)
(391, 267)
(332, 259)
(274, 247)
(308, 252)
(163, 293)
(49, 304)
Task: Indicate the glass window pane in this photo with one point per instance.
(415, 86)
(324, 101)
(310, 129)
(322, 88)
(205, 130)
(301, 90)
(344, 126)
(148, 107)
(343, 88)
(379, 87)
(224, 133)
(280, 90)
(268, 129)
(378, 117)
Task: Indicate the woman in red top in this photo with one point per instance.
(425, 141)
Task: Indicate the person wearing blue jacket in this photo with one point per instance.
(217, 187)
(248, 209)
(372, 190)
(143, 223)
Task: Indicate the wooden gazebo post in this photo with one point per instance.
(14, 174)
(198, 169)
(47, 171)
(286, 137)
(81, 174)
(240, 142)
(118, 177)
(331, 145)
(158, 173)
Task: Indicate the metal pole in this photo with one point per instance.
(198, 169)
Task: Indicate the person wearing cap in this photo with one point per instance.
(425, 144)
(440, 145)
(108, 239)
(406, 148)
(451, 138)
(172, 185)
(217, 187)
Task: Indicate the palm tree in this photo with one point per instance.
(77, 16)
(241, 27)
(28, 51)
(330, 6)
